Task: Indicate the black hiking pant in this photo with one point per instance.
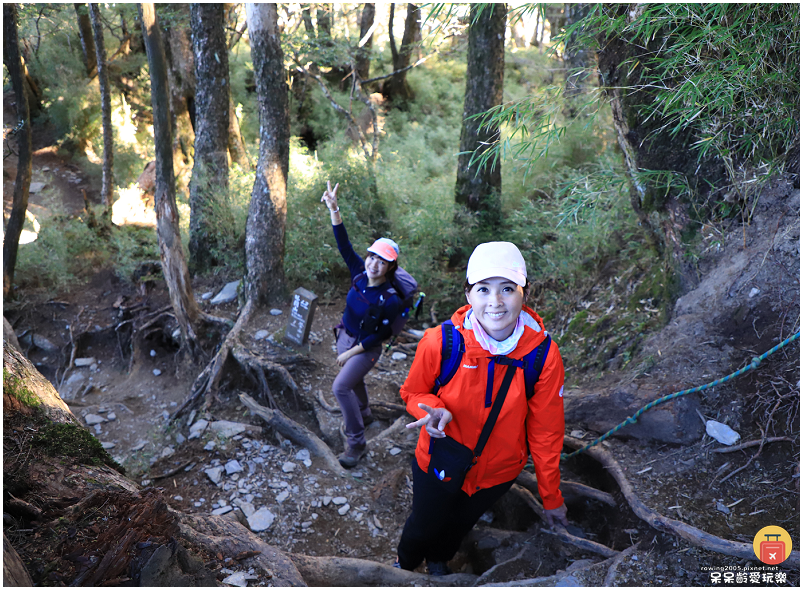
(440, 520)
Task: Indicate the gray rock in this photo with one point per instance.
(178, 498)
(326, 500)
(399, 356)
(180, 439)
(227, 429)
(222, 510)
(75, 378)
(43, 343)
(92, 419)
(282, 496)
(108, 445)
(247, 508)
(339, 500)
(210, 446)
(238, 579)
(214, 474)
(156, 372)
(85, 362)
(227, 294)
(275, 311)
(167, 452)
(395, 451)
(111, 416)
(139, 446)
(569, 581)
(233, 466)
(261, 520)
(343, 510)
(197, 429)
(288, 467)
(36, 187)
(207, 296)
(722, 508)
(261, 334)
(303, 455)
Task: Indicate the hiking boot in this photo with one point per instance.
(438, 568)
(396, 563)
(351, 456)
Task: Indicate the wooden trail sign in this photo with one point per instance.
(304, 304)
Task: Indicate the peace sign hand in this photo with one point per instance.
(329, 197)
(434, 422)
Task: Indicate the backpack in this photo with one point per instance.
(453, 349)
(405, 287)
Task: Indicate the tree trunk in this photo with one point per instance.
(647, 145)
(365, 51)
(182, 88)
(397, 87)
(266, 219)
(208, 189)
(579, 63)
(13, 62)
(107, 190)
(236, 146)
(480, 190)
(173, 264)
(87, 40)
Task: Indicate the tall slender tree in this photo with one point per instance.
(266, 219)
(364, 52)
(13, 62)
(479, 189)
(173, 263)
(209, 185)
(107, 190)
(397, 87)
(87, 40)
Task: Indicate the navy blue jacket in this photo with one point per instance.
(361, 296)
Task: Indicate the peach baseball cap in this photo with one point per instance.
(385, 248)
(497, 259)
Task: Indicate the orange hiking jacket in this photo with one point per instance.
(539, 422)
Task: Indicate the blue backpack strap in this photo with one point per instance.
(534, 363)
(452, 351)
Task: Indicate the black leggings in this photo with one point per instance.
(440, 520)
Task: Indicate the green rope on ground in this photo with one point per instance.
(632, 419)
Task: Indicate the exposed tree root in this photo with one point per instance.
(753, 443)
(528, 480)
(398, 426)
(347, 571)
(211, 374)
(688, 533)
(548, 581)
(612, 570)
(257, 362)
(330, 408)
(560, 531)
(295, 432)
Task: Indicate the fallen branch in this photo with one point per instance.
(612, 569)
(528, 480)
(348, 571)
(323, 402)
(398, 426)
(560, 531)
(172, 472)
(549, 581)
(388, 406)
(295, 432)
(688, 533)
(753, 443)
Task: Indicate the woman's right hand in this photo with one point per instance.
(330, 199)
(434, 422)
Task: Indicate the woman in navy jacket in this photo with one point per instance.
(372, 306)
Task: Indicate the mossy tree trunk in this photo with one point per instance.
(266, 219)
(173, 263)
(107, 190)
(648, 146)
(208, 189)
(479, 190)
(13, 62)
(87, 39)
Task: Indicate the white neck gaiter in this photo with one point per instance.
(488, 343)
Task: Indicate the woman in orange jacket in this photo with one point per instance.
(495, 324)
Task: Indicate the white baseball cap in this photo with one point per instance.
(497, 259)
